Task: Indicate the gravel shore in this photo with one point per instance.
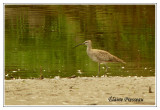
(81, 91)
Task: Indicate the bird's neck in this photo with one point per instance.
(89, 47)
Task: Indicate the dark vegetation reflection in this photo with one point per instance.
(39, 39)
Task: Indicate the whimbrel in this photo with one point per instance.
(100, 56)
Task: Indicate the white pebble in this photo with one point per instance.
(56, 77)
(102, 76)
(108, 73)
(79, 71)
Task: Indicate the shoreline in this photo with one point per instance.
(81, 91)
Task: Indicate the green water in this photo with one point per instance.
(39, 39)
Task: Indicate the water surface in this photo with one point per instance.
(39, 39)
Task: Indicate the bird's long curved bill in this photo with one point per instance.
(78, 45)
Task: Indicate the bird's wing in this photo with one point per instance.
(105, 56)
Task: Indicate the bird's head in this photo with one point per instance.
(87, 42)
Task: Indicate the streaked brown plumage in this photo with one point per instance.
(100, 56)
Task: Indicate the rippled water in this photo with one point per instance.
(39, 39)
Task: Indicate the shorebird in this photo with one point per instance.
(100, 56)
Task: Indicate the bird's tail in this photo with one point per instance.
(123, 62)
(119, 60)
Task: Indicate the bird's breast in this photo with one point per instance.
(92, 56)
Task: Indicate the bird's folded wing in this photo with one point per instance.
(105, 56)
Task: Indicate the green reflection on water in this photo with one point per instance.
(40, 39)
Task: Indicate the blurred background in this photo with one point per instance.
(39, 39)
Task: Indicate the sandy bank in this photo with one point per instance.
(81, 91)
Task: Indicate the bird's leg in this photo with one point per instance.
(106, 67)
(98, 68)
